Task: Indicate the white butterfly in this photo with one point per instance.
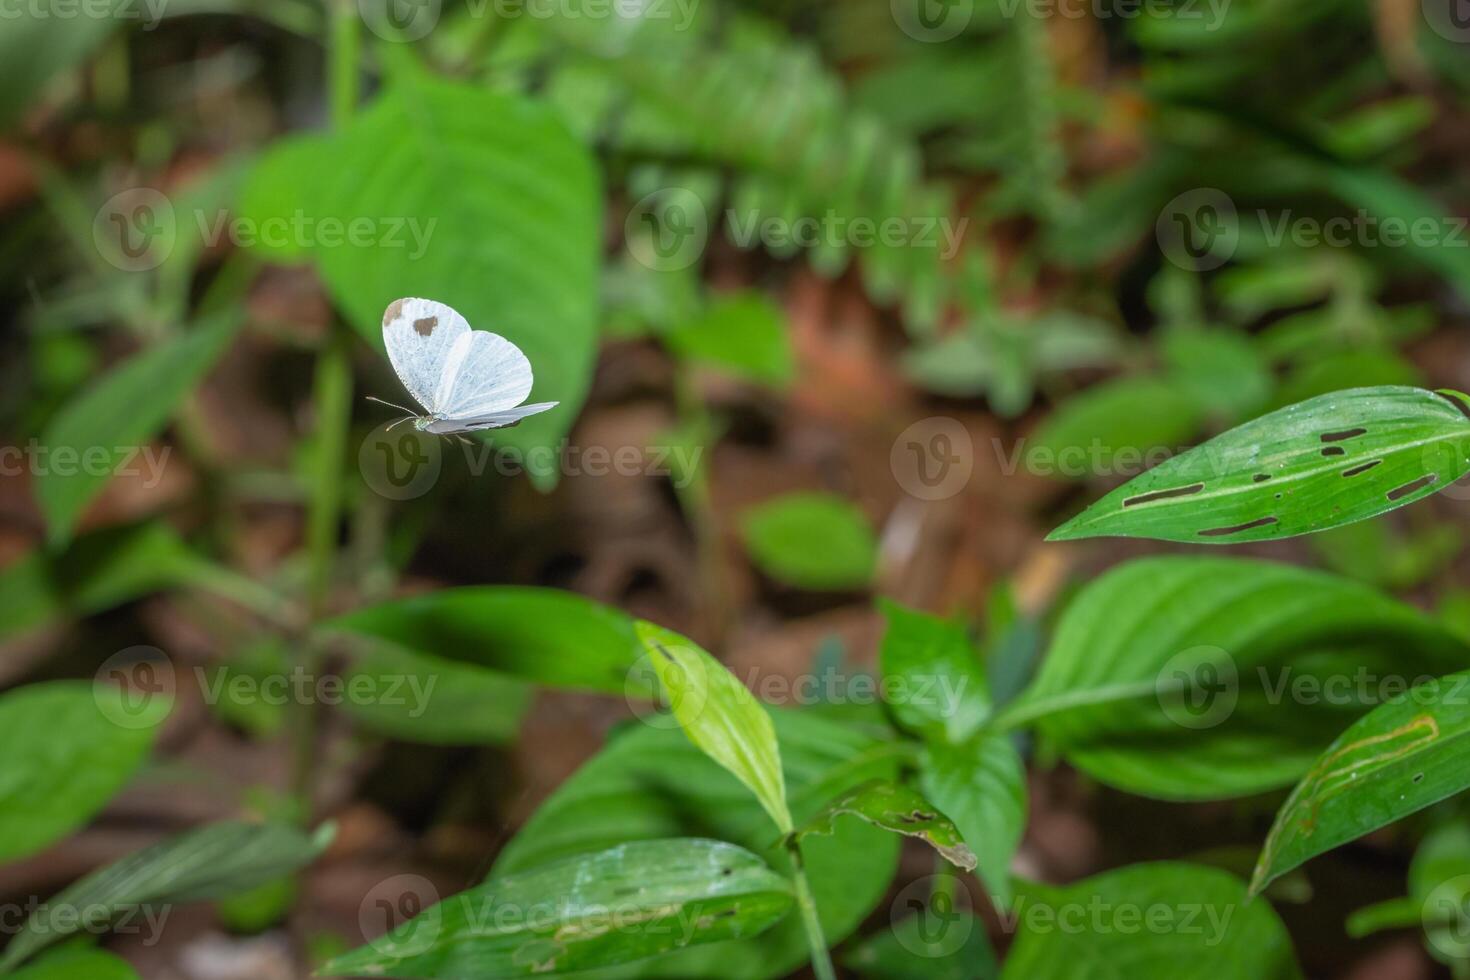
(465, 379)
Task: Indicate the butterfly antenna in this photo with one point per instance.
(380, 401)
(397, 422)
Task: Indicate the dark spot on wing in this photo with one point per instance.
(1398, 493)
(1145, 498)
(425, 325)
(1362, 468)
(1334, 451)
(392, 312)
(1341, 435)
(1216, 532)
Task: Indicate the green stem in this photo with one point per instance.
(344, 55)
(332, 399)
(821, 958)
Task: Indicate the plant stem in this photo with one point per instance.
(332, 401)
(344, 54)
(821, 958)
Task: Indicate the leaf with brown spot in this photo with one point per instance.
(898, 809)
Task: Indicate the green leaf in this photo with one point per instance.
(899, 810)
(100, 570)
(542, 635)
(631, 902)
(1220, 369)
(909, 951)
(720, 716)
(1323, 463)
(982, 786)
(505, 227)
(1441, 857)
(1162, 921)
(70, 746)
(1398, 758)
(932, 678)
(744, 334)
(1201, 678)
(433, 701)
(651, 782)
(77, 963)
(212, 862)
(811, 541)
(1113, 427)
(104, 427)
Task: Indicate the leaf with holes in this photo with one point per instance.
(900, 810)
(1206, 678)
(1325, 462)
(719, 715)
(622, 905)
(1399, 758)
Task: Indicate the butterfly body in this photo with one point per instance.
(467, 380)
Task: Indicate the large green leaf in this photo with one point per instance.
(432, 700)
(212, 862)
(1198, 678)
(1400, 757)
(811, 541)
(100, 570)
(1322, 463)
(981, 785)
(720, 716)
(505, 227)
(1164, 921)
(622, 905)
(932, 678)
(899, 810)
(913, 949)
(104, 428)
(70, 745)
(651, 782)
(541, 635)
(1113, 427)
(77, 963)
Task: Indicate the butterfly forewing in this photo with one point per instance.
(419, 335)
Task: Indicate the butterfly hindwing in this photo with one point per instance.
(483, 373)
(492, 420)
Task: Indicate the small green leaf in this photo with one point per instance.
(1398, 758)
(898, 809)
(212, 862)
(1220, 369)
(931, 675)
(1323, 463)
(104, 428)
(541, 635)
(70, 746)
(622, 905)
(982, 786)
(1113, 427)
(812, 541)
(1206, 678)
(720, 716)
(744, 334)
(1161, 921)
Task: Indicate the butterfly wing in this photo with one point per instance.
(420, 336)
(492, 420)
(484, 374)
